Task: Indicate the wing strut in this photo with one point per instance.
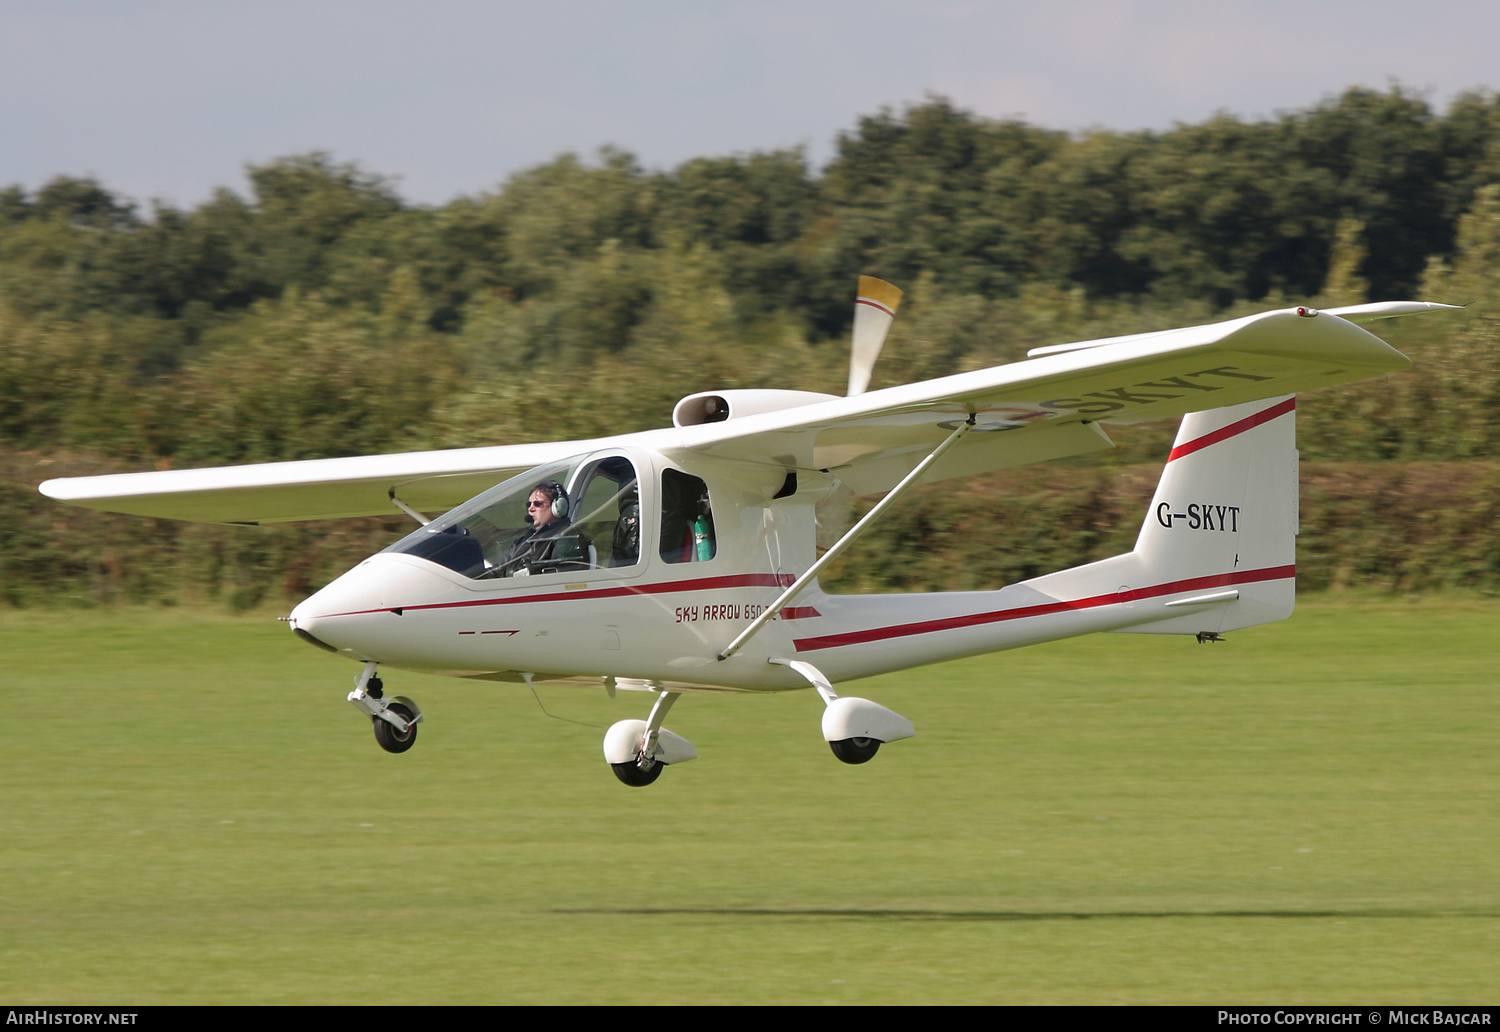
(414, 514)
(848, 538)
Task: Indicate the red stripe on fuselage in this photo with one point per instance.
(1220, 580)
(743, 580)
(1233, 429)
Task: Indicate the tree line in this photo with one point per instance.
(321, 314)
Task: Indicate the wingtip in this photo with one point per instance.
(1388, 310)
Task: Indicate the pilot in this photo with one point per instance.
(549, 537)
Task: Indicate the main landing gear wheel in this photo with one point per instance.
(852, 727)
(856, 750)
(630, 772)
(390, 739)
(637, 750)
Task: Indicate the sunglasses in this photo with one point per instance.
(537, 505)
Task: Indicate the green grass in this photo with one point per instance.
(1309, 813)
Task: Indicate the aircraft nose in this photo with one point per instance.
(325, 617)
(344, 616)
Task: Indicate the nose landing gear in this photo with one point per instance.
(395, 721)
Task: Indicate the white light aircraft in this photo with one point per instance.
(684, 559)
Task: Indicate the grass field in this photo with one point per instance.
(1309, 813)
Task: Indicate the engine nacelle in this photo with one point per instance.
(717, 406)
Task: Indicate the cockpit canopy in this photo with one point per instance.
(595, 523)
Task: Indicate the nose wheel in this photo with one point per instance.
(395, 721)
(392, 739)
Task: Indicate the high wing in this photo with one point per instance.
(312, 489)
(1044, 408)
(1050, 406)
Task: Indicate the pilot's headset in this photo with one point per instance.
(555, 491)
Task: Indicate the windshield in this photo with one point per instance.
(579, 514)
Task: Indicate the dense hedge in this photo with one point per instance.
(1392, 526)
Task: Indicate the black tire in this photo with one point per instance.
(856, 750)
(631, 773)
(390, 739)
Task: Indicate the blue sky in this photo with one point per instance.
(170, 98)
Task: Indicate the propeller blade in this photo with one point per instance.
(874, 309)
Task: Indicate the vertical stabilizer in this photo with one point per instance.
(1217, 547)
(1224, 518)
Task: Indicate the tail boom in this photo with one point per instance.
(1216, 552)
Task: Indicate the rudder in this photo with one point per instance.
(1223, 521)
